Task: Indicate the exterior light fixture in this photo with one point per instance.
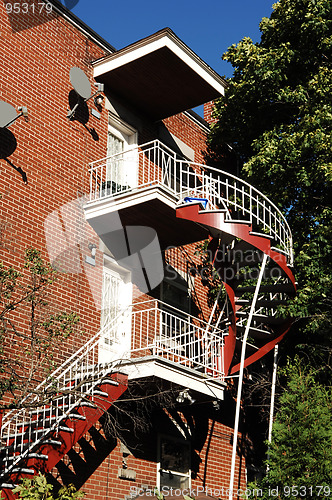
(98, 100)
(91, 259)
(184, 397)
(82, 87)
(216, 405)
(24, 113)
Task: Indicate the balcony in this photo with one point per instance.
(146, 184)
(153, 339)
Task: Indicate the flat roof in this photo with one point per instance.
(159, 75)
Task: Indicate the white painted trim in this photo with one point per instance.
(176, 440)
(175, 45)
(107, 205)
(151, 366)
(120, 125)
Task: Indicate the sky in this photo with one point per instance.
(208, 27)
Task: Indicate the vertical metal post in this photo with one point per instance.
(239, 388)
(273, 390)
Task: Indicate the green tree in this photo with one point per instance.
(38, 488)
(301, 448)
(274, 128)
(30, 327)
(300, 453)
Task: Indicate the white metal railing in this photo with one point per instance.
(158, 165)
(156, 329)
(166, 332)
(52, 400)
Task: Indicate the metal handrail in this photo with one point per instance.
(157, 329)
(87, 356)
(158, 165)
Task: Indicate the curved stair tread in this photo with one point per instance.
(263, 318)
(238, 230)
(247, 249)
(261, 352)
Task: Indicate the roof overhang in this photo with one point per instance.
(159, 75)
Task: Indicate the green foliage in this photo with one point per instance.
(300, 453)
(210, 278)
(276, 123)
(38, 488)
(26, 352)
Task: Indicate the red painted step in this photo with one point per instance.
(64, 441)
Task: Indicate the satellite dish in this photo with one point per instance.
(7, 114)
(80, 82)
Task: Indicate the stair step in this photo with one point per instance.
(279, 250)
(262, 318)
(276, 288)
(262, 303)
(87, 404)
(53, 442)
(238, 221)
(271, 303)
(269, 272)
(30, 455)
(214, 211)
(24, 446)
(100, 393)
(62, 428)
(262, 235)
(8, 486)
(109, 381)
(255, 333)
(23, 470)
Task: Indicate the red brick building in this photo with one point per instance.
(96, 180)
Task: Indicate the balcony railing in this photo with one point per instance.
(154, 328)
(158, 165)
(162, 331)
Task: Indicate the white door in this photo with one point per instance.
(121, 166)
(116, 314)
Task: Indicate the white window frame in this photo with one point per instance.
(128, 135)
(174, 473)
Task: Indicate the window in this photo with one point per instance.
(175, 289)
(174, 463)
(121, 165)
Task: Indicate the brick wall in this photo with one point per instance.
(54, 153)
(208, 110)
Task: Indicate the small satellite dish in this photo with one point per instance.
(80, 82)
(7, 114)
